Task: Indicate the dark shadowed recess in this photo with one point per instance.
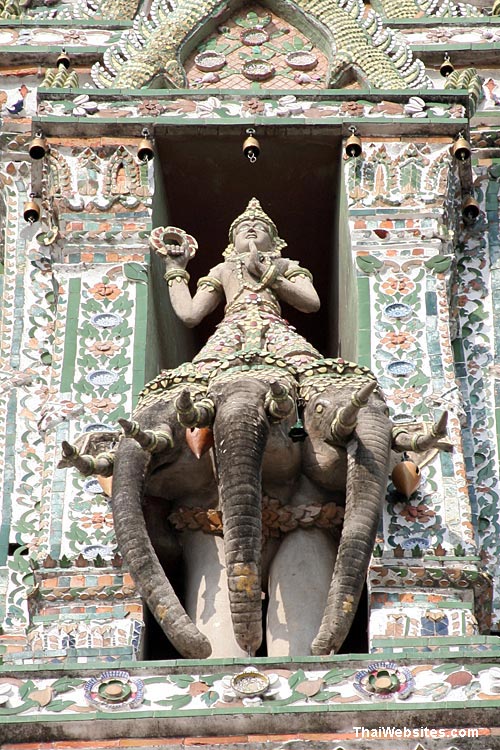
(208, 182)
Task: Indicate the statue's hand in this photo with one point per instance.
(256, 264)
(177, 256)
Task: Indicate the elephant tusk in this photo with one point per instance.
(153, 441)
(86, 464)
(402, 440)
(278, 403)
(346, 419)
(191, 414)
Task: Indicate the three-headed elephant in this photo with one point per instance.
(312, 576)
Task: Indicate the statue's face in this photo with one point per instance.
(252, 230)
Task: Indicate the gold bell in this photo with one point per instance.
(145, 150)
(251, 146)
(353, 146)
(406, 477)
(470, 209)
(446, 68)
(461, 148)
(31, 210)
(38, 147)
(63, 59)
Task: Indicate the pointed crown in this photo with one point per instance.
(254, 211)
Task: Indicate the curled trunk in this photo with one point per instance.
(131, 467)
(367, 470)
(240, 433)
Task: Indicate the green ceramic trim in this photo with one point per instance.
(7, 494)
(70, 338)
(456, 47)
(140, 340)
(265, 709)
(180, 666)
(264, 94)
(468, 21)
(364, 322)
(72, 23)
(32, 49)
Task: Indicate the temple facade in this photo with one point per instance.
(370, 134)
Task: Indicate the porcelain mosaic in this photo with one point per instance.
(225, 106)
(75, 291)
(374, 683)
(363, 47)
(409, 278)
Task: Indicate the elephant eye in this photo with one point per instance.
(319, 408)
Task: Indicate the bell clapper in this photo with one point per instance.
(297, 431)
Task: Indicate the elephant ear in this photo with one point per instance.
(131, 467)
(368, 459)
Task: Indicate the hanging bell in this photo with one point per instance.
(461, 148)
(145, 150)
(470, 209)
(446, 68)
(353, 146)
(63, 59)
(31, 210)
(38, 147)
(406, 477)
(199, 440)
(251, 146)
(297, 432)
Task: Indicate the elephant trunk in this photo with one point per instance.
(131, 466)
(367, 471)
(240, 432)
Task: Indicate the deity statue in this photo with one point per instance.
(253, 278)
(251, 516)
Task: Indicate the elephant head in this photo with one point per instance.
(349, 449)
(152, 458)
(247, 411)
(250, 406)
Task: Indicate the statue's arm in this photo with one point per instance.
(295, 287)
(192, 310)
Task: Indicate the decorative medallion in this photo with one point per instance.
(415, 541)
(384, 680)
(101, 377)
(302, 60)
(94, 550)
(258, 70)
(251, 686)
(114, 690)
(98, 427)
(209, 60)
(250, 682)
(92, 485)
(254, 37)
(106, 320)
(398, 310)
(400, 368)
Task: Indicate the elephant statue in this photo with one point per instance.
(212, 447)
